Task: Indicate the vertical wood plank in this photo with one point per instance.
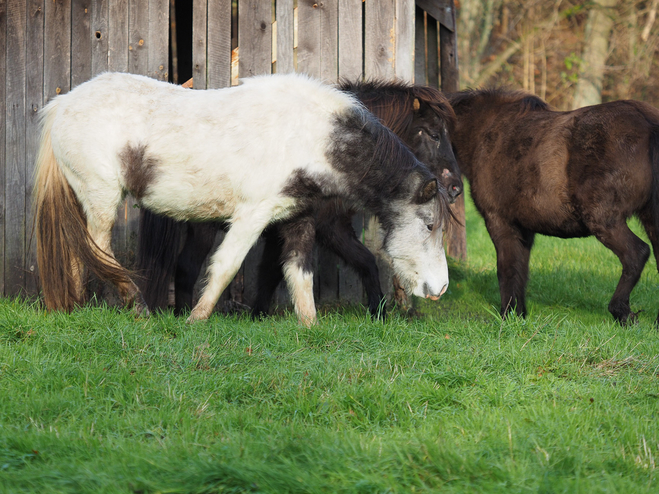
(138, 36)
(15, 220)
(199, 38)
(34, 102)
(254, 37)
(433, 51)
(328, 10)
(420, 47)
(350, 39)
(318, 39)
(379, 39)
(456, 234)
(285, 25)
(158, 40)
(57, 51)
(100, 36)
(118, 36)
(405, 14)
(3, 129)
(308, 42)
(81, 41)
(218, 56)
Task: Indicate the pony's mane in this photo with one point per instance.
(391, 150)
(393, 102)
(499, 95)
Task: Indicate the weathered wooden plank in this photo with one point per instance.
(405, 10)
(100, 35)
(34, 102)
(81, 41)
(118, 36)
(218, 56)
(57, 51)
(285, 30)
(420, 47)
(456, 234)
(3, 128)
(318, 39)
(158, 40)
(199, 40)
(254, 37)
(15, 220)
(351, 63)
(138, 36)
(379, 39)
(433, 51)
(442, 10)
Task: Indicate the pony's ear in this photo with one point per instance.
(416, 105)
(428, 191)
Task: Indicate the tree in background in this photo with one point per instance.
(595, 53)
(543, 46)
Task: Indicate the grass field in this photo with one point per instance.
(457, 401)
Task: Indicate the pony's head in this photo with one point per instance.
(413, 235)
(422, 117)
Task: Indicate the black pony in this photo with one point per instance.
(420, 116)
(565, 174)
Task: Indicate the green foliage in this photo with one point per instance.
(457, 400)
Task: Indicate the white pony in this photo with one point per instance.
(258, 153)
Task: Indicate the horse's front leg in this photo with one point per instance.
(245, 229)
(513, 248)
(298, 236)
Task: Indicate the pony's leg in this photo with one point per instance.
(513, 248)
(199, 241)
(101, 233)
(270, 271)
(244, 232)
(299, 237)
(651, 225)
(633, 254)
(335, 231)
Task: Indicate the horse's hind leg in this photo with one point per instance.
(270, 271)
(651, 225)
(199, 241)
(633, 254)
(101, 233)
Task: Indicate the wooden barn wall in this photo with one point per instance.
(48, 47)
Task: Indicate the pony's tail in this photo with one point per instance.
(64, 244)
(158, 243)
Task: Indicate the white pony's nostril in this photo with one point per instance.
(443, 291)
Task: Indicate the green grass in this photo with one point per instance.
(457, 401)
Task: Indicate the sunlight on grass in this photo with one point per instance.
(457, 400)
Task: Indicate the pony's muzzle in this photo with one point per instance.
(433, 296)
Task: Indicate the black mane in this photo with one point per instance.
(499, 95)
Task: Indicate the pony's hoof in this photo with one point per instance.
(141, 310)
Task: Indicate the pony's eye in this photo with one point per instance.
(430, 227)
(434, 137)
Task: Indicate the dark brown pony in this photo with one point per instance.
(420, 116)
(564, 174)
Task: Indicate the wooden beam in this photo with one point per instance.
(442, 10)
